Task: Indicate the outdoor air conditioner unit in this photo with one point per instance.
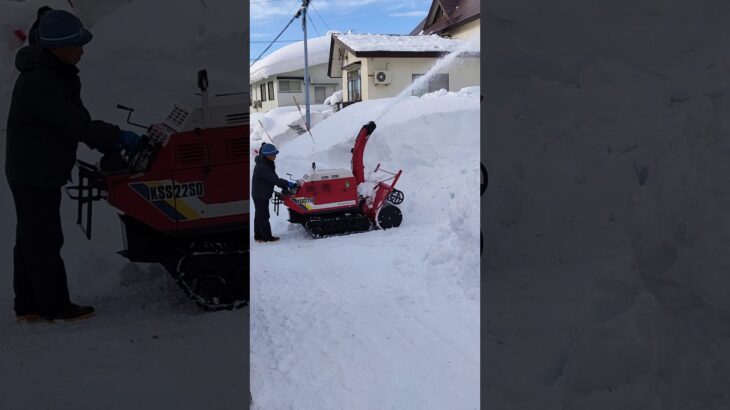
(382, 77)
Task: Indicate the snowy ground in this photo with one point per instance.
(149, 347)
(384, 319)
(605, 223)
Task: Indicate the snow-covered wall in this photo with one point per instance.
(605, 223)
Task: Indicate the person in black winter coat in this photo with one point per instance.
(262, 187)
(46, 122)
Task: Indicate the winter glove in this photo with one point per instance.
(128, 140)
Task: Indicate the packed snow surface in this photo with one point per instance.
(606, 218)
(291, 58)
(149, 347)
(383, 319)
(385, 42)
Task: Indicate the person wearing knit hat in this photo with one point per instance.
(46, 122)
(262, 187)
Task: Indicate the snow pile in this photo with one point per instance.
(605, 223)
(281, 125)
(334, 99)
(383, 319)
(145, 54)
(385, 42)
(291, 58)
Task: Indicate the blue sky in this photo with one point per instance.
(268, 17)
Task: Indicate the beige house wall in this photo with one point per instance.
(467, 31)
(463, 73)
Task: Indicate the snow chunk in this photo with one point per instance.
(334, 99)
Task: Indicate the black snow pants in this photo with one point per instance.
(261, 226)
(39, 274)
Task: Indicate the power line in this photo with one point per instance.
(264, 1)
(277, 41)
(320, 16)
(313, 25)
(277, 36)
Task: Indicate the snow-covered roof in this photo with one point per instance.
(394, 43)
(291, 58)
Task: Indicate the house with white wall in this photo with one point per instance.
(277, 80)
(379, 66)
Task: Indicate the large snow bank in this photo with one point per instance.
(291, 58)
(605, 223)
(383, 319)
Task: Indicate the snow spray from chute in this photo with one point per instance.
(439, 65)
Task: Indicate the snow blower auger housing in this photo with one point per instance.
(183, 197)
(331, 202)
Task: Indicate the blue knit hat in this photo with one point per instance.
(269, 149)
(59, 28)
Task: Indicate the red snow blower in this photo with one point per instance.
(332, 202)
(183, 196)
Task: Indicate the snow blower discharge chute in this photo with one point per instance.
(330, 202)
(183, 197)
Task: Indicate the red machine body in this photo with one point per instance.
(339, 201)
(183, 197)
(190, 187)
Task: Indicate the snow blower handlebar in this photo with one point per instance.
(129, 117)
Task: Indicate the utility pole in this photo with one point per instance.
(305, 4)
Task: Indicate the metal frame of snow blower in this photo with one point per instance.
(91, 188)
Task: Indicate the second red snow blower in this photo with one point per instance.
(183, 197)
(330, 202)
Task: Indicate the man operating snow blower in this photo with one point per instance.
(46, 122)
(262, 187)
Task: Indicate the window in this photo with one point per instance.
(320, 94)
(353, 85)
(435, 83)
(271, 90)
(262, 89)
(290, 86)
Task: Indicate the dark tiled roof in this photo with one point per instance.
(456, 13)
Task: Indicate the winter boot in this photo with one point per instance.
(72, 312)
(28, 317)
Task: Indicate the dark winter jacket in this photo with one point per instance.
(264, 179)
(47, 120)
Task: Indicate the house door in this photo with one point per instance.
(320, 94)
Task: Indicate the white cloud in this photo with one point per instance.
(414, 13)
